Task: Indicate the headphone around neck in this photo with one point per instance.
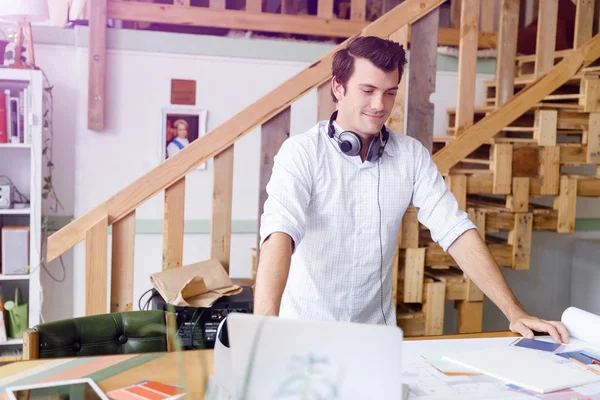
(351, 144)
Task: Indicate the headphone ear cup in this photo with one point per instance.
(353, 140)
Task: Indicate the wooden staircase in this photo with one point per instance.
(477, 158)
(501, 169)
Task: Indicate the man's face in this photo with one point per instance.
(368, 99)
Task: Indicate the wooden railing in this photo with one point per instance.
(272, 113)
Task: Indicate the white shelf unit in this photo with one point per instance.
(22, 162)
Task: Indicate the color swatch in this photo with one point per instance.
(150, 390)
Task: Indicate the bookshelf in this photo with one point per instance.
(21, 161)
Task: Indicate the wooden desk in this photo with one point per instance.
(113, 372)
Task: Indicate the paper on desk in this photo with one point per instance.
(194, 285)
(582, 325)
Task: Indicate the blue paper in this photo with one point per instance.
(536, 344)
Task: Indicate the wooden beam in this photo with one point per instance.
(220, 224)
(434, 307)
(273, 133)
(455, 11)
(173, 225)
(227, 133)
(507, 50)
(488, 15)
(546, 37)
(358, 9)
(255, 6)
(584, 22)
(324, 8)
(97, 65)
(123, 255)
(476, 135)
(269, 22)
(421, 79)
(396, 120)
(325, 104)
(467, 65)
(96, 267)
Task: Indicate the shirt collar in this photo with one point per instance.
(388, 147)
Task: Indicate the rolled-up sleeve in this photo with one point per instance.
(288, 193)
(437, 207)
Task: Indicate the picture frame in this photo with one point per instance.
(180, 127)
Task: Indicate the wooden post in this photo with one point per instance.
(455, 11)
(97, 65)
(566, 204)
(273, 133)
(584, 22)
(123, 254)
(518, 201)
(409, 230)
(467, 65)
(324, 8)
(593, 133)
(255, 6)
(546, 122)
(520, 239)
(96, 267)
(433, 306)
(220, 230)
(488, 19)
(325, 104)
(550, 170)
(358, 10)
(502, 168)
(507, 50)
(396, 120)
(470, 316)
(457, 183)
(414, 269)
(422, 72)
(546, 37)
(173, 225)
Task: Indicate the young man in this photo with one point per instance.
(336, 200)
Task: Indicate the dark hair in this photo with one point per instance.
(384, 54)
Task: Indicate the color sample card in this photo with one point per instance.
(146, 390)
(536, 344)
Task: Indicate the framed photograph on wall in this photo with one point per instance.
(180, 127)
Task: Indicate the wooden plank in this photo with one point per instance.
(220, 227)
(455, 12)
(488, 15)
(593, 147)
(502, 168)
(544, 130)
(476, 135)
(31, 344)
(470, 316)
(434, 308)
(255, 6)
(182, 3)
(584, 22)
(412, 324)
(507, 50)
(478, 218)
(358, 9)
(227, 133)
(324, 8)
(122, 264)
(546, 37)
(173, 225)
(414, 269)
(518, 201)
(550, 170)
(325, 104)
(217, 4)
(525, 162)
(591, 95)
(422, 73)
(409, 229)
(520, 238)
(97, 65)
(396, 119)
(573, 155)
(467, 65)
(96, 267)
(457, 184)
(273, 133)
(566, 204)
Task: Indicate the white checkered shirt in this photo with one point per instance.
(327, 202)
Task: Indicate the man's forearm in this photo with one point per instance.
(474, 258)
(272, 273)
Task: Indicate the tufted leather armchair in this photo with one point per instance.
(115, 333)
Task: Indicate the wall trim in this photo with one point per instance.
(238, 226)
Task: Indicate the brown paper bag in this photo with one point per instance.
(194, 285)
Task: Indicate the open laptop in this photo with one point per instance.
(279, 358)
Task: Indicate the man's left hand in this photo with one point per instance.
(525, 324)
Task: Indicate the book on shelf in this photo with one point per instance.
(13, 120)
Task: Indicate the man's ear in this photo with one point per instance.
(337, 88)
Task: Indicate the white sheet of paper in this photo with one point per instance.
(531, 369)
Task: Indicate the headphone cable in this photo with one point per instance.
(380, 246)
